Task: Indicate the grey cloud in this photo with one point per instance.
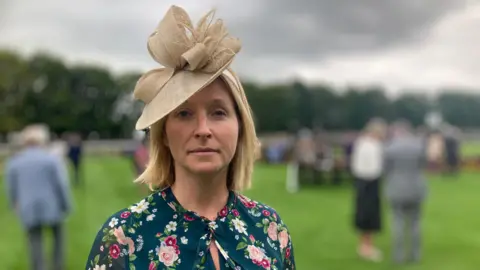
(276, 34)
(88, 27)
(303, 30)
(306, 28)
(268, 28)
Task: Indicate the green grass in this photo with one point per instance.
(471, 149)
(319, 220)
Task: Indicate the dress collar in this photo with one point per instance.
(172, 202)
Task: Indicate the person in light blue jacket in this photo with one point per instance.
(37, 187)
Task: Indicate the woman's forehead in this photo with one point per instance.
(216, 92)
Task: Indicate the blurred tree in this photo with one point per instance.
(126, 110)
(361, 105)
(326, 113)
(89, 99)
(412, 107)
(272, 107)
(14, 81)
(95, 94)
(304, 105)
(49, 99)
(460, 109)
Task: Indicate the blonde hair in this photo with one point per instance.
(160, 172)
(376, 126)
(35, 134)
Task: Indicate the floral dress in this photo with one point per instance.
(158, 233)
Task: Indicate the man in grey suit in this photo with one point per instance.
(38, 191)
(405, 189)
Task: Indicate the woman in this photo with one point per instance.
(366, 165)
(202, 150)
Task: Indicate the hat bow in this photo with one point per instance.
(178, 46)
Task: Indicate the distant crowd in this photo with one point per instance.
(382, 158)
(321, 158)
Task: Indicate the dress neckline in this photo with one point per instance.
(174, 204)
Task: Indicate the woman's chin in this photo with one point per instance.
(205, 168)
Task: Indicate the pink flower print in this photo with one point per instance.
(283, 238)
(223, 212)
(235, 212)
(252, 238)
(114, 251)
(242, 198)
(265, 263)
(287, 253)
(125, 214)
(255, 254)
(187, 217)
(265, 213)
(250, 204)
(172, 206)
(247, 202)
(167, 255)
(273, 231)
(259, 263)
(152, 266)
(121, 239)
(171, 241)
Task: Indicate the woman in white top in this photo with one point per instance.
(367, 165)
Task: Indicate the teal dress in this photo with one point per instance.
(158, 233)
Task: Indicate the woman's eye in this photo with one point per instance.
(183, 114)
(220, 113)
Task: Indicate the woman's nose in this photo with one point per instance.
(202, 130)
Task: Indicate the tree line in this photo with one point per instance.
(85, 98)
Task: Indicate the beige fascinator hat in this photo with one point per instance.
(192, 57)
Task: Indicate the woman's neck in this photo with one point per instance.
(204, 195)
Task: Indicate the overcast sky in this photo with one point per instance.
(410, 44)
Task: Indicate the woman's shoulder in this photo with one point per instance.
(259, 212)
(120, 235)
(135, 214)
(267, 231)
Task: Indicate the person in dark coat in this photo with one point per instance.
(75, 154)
(452, 150)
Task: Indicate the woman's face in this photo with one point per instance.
(202, 133)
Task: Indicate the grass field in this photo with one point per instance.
(471, 149)
(319, 220)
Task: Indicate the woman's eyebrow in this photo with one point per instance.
(218, 101)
